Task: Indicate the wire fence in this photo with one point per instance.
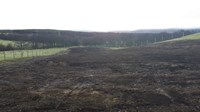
(17, 54)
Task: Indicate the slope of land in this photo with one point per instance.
(157, 78)
(172, 30)
(191, 37)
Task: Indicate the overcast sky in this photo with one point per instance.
(99, 15)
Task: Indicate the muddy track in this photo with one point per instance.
(152, 78)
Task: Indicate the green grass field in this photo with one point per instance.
(19, 54)
(6, 42)
(195, 36)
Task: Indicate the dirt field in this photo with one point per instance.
(156, 78)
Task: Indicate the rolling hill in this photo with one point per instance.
(195, 38)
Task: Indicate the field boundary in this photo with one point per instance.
(20, 54)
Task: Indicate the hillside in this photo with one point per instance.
(172, 30)
(185, 41)
(195, 36)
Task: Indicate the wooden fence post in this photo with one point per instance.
(4, 55)
(27, 53)
(21, 54)
(32, 53)
(13, 54)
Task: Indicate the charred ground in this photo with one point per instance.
(160, 77)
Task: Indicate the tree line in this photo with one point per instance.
(35, 39)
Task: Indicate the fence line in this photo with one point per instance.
(16, 54)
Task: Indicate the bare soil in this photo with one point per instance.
(155, 78)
